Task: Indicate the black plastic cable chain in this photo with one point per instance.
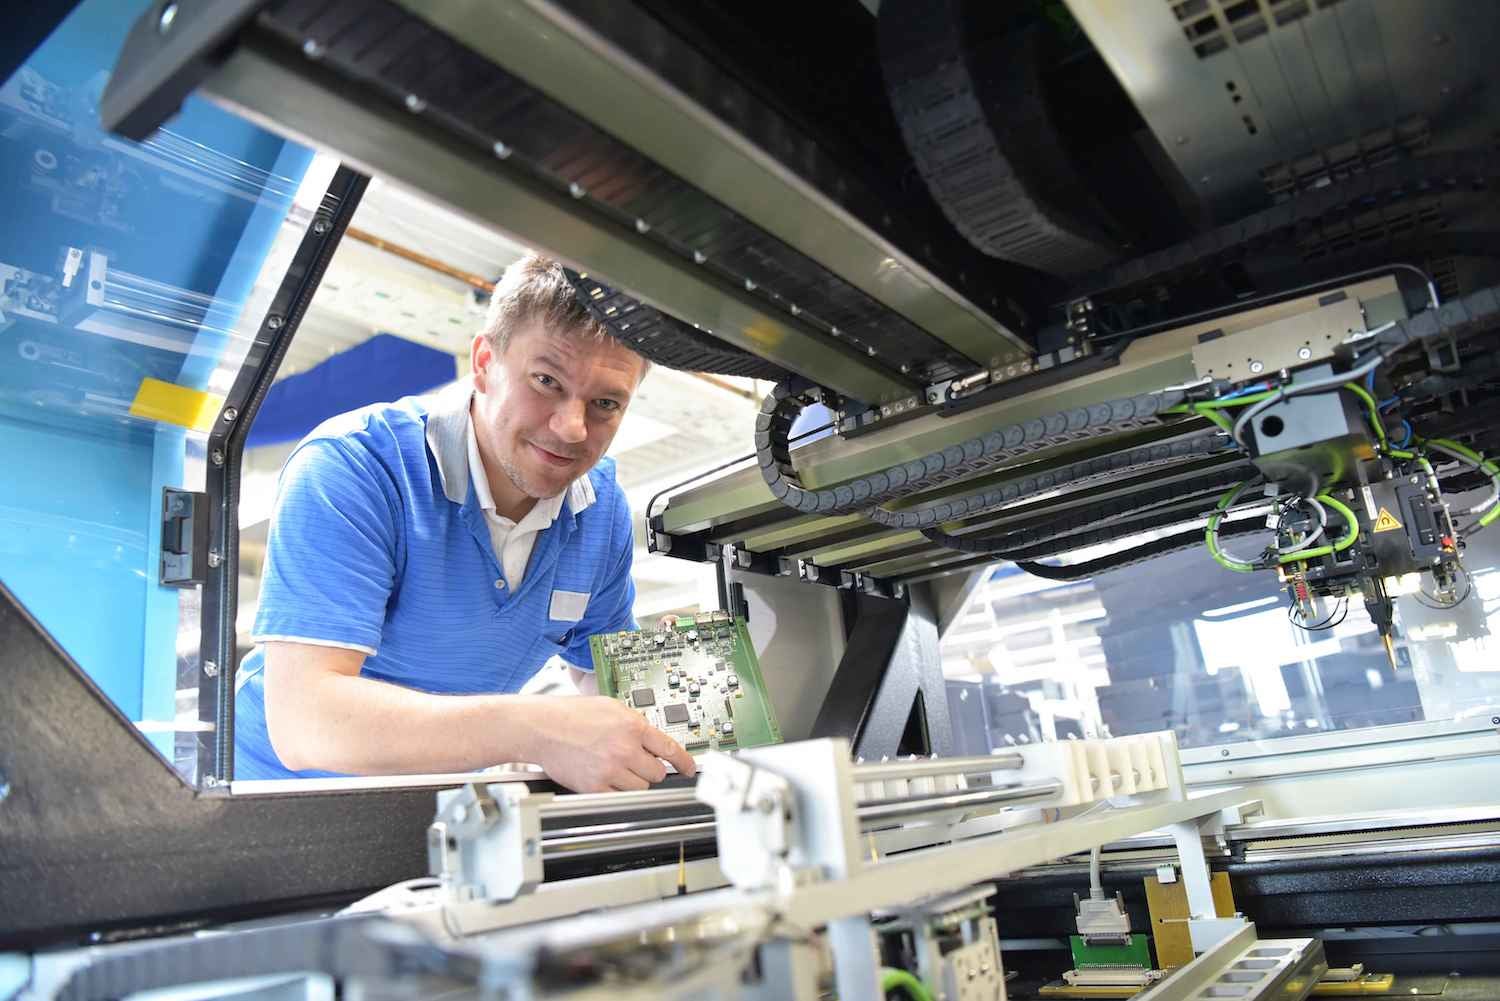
(1072, 527)
(783, 405)
(1140, 554)
(663, 339)
(1474, 313)
(1404, 180)
(991, 498)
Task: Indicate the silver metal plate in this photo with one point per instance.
(1286, 343)
(1273, 81)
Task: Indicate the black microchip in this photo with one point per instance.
(675, 712)
(642, 697)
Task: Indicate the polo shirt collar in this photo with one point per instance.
(448, 422)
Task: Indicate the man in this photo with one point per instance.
(427, 556)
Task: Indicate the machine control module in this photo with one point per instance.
(697, 680)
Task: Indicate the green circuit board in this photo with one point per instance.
(697, 680)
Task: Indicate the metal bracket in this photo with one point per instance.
(486, 841)
(753, 814)
(184, 537)
(169, 51)
(784, 813)
(693, 547)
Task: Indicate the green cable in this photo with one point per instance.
(1213, 415)
(1372, 408)
(1202, 405)
(891, 979)
(1351, 533)
(1484, 465)
(1211, 532)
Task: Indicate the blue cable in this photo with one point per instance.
(1406, 427)
(1370, 381)
(1387, 404)
(1257, 388)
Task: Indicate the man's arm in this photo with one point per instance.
(321, 714)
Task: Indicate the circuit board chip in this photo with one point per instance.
(697, 677)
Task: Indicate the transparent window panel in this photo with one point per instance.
(1180, 644)
(130, 278)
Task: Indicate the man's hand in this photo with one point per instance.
(595, 744)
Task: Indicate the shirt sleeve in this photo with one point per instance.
(612, 607)
(331, 554)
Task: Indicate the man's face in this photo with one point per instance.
(547, 408)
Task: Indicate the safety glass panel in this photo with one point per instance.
(1177, 643)
(131, 278)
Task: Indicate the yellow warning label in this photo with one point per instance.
(1386, 522)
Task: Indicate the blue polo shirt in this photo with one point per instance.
(378, 544)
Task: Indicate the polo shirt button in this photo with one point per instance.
(500, 585)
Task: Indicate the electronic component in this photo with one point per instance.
(705, 693)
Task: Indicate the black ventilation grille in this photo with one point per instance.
(1213, 26)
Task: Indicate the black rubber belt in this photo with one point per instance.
(1140, 554)
(1072, 530)
(1011, 441)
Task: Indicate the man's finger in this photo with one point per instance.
(663, 746)
(647, 766)
(628, 782)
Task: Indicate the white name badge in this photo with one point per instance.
(568, 606)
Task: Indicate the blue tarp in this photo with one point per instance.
(381, 369)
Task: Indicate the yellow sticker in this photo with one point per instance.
(1386, 522)
(166, 401)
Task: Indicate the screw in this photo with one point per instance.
(209, 782)
(230, 414)
(210, 669)
(1256, 368)
(578, 191)
(312, 49)
(168, 16)
(217, 458)
(501, 150)
(834, 331)
(870, 351)
(214, 559)
(1224, 753)
(905, 367)
(273, 322)
(415, 104)
(320, 226)
(749, 285)
(796, 309)
(1304, 353)
(699, 258)
(1495, 720)
(642, 226)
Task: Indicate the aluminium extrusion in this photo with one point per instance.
(566, 58)
(298, 99)
(1244, 967)
(1163, 359)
